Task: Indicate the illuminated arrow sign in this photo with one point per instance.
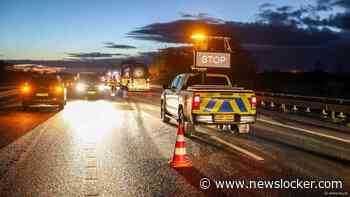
(212, 60)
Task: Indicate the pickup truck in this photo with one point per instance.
(194, 98)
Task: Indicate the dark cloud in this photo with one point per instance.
(341, 20)
(287, 15)
(330, 3)
(179, 31)
(188, 15)
(307, 16)
(112, 45)
(93, 55)
(201, 16)
(266, 5)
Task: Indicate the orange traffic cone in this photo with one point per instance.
(180, 159)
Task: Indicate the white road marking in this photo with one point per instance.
(304, 130)
(244, 151)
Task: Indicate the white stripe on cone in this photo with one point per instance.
(180, 138)
(180, 151)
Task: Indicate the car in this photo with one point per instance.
(89, 85)
(198, 98)
(43, 89)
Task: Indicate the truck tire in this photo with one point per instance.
(61, 106)
(163, 113)
(188, 126)
(25, 107)
(243, 128)
(189, 129)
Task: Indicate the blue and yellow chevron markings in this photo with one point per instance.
(224, 105)
(211, 104)
(241, 105)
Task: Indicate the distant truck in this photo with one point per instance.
(135, 77)
(194, 98)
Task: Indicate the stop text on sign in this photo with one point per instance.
(212, 60)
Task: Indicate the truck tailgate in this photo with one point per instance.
(225, 102)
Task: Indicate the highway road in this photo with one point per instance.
(120, 147)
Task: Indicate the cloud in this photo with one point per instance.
(340, 20)
(266, 5)
(285, 15)
(179, 31)
(201, 16)
(112, 45)
(307, 16)
(93, 55)
(35, 68)
(330, 3)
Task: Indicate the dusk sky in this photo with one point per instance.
(41, 29)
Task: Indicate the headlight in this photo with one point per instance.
(25, 88)
(59, 89)
(101, 87)
(80, 87)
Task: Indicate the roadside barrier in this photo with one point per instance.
(335, 109)
(8, 93)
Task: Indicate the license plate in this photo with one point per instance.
(224, 117)
(91, 92)
(42, 94)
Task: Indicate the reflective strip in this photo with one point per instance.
(214, 105)
(180, 138)
(234, 105)
(210, 105)
(180, 151)
(241, 105)
(247, 103)
(217, 106)
(226, 106)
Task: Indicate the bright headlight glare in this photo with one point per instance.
(80, 87)
(101, 87)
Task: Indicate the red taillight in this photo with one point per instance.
(196, 102)
(253, 102)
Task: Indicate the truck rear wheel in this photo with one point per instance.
(188, 126)
(189, 129)
(25, 107)
(61, 106)
(243, 128)
(163, 114)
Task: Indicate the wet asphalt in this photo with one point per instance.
(120, 147)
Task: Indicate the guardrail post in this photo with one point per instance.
(324, 113)
(307, 110)
(334, 119)
(342, 116)
(283, 107)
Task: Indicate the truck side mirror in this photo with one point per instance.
(165, 86)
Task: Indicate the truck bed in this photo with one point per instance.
(209, 88)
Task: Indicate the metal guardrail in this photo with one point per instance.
(7, 87)
(8, 90)
(323, 104)
(8, 93)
